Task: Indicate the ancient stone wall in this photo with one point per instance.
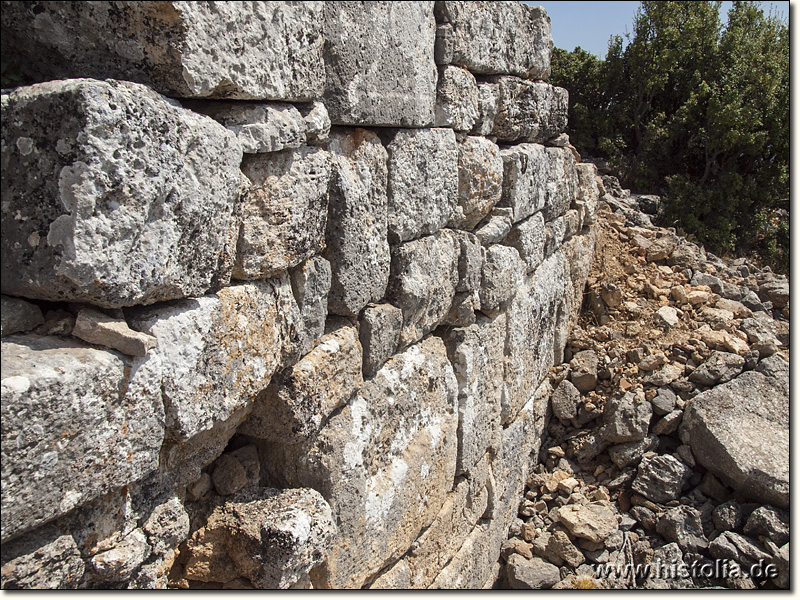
(282, 282)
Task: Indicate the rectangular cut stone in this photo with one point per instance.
(423, 282)
(480, 180)
(259, 127)
(242, 50)
(464, 506)
(311, 283)
(299, 401)
(422, 182)
(284, 212)
(476, 353)
(499, 37)
(356, 233)
(528, 237)
(69, 434)
(112, 194)
(536, 179)
(579, 254)
(529, 111)
(488, 100)
(379, 63)
(215, 353)
(456, 99)
(587, 191)
(532, 316)
(503, 271)
(385, 463)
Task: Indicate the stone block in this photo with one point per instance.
(456, 99)
(526, 170)
(379, 334)
(503, 271)
(311, 282)
(528, 237)
(18, 315)
(69, 434)
(112, 194)
(423, 182)
(260, 127)
(480, 179)
(423, 282)
(98, 328)
(488, 102)
(356, 234)
(529, 111)
(298, 402)
(284, 212)
(499, 37)
(262, 50)
(470, 262)
(379, 63)
(52, 563)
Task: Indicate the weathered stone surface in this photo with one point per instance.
(594, 521)
(297, 403)
(357, 246)
(98, 328)
(630, 453)
(560, 545)
(532, 317)
(423, 282)
(112, 194)
(734, 547)
(18, 315)
(311, 282)
(565, 401)
(476, 353)
(69, 435)
(385, 463)
(379, 334)
(529, 111)
(720, 367)
(167, 526)
(423, 182)
(562, 183)
(470, 262)
(587, 193)
(728, 516)
(318, 122)
(626, 418)
(528, 237)
(664, 401)
(661, 478)
(531, 574)
(228, 475)
(661, 248)
(119, 562)
(499, 37)
(456, 99)
(770, 523)
(379, 63)
(262, 127)
(669, 423)
(215, 353)
(480, 177)
(583, 370)
(283, 214)
(488, 99)
(503, 271)
(184, 49)
(495, 227)
(743, 442)
(683, 526)
(271, 537)
(666, 317)
(54, 565)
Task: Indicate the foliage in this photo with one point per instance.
(695, 110)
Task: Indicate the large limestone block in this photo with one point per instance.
(243, 50)
(55, 564)
(70, 433)
(528, 237)
(503, 271)
(215, 353)
(270, 537)
(260, 127)
(379, 63)
(562, 183)
(112, 194)
(463, 508)
(587, 194)
(385, 463)
(311, 283)
(498, 37)
(529, 111)
(532, 317)
(476, 353)
(356, 233)
(456, 99)
(740, 432)
(480, 179)
(284, 212)
(297, 403)
(423, 182)
(423, 282)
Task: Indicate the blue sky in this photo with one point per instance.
(590, 24)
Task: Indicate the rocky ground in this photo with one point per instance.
(667, 447)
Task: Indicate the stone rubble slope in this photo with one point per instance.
(668, 441)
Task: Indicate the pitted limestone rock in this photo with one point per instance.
(423, 182)
(529, 111)
(456, 99)
(379, 63)
(261, 50)
(311, 282)
(529, 237)
(498, 37)
(284, 212)
(480, 178)
(112, 194)
(69, 435)
(356, 234)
